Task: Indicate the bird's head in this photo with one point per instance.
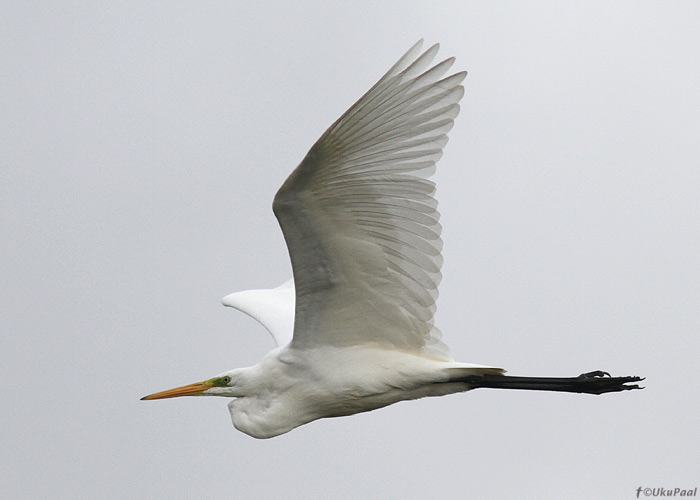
(221, 385)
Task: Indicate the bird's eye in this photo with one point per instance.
(226, 379)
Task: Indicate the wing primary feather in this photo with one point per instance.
(418, 66)
(429, 95)
(397, 68)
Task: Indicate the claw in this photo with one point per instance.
(595, 374)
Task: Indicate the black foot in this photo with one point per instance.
(595, 374)
(600, 382)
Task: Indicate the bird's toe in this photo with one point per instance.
(594, 374)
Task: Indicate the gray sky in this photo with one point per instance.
(142, 143)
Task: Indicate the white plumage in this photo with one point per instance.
(359, 215)
(362, 228)
(273, 309)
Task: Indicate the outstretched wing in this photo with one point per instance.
(273, 309)
(359, 216)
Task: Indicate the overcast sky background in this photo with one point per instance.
(142, 143)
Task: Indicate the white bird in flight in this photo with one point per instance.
(354, 328)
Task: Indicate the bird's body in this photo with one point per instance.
(355, 328)
(291, 387)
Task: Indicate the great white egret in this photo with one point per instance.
(355, 328)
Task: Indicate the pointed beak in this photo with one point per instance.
(185, 390)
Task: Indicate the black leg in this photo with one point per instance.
(596, 382)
